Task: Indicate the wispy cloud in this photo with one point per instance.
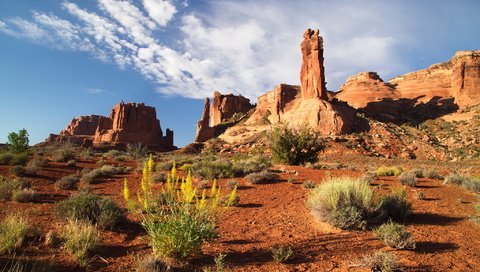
(245, 47)
(97, 91)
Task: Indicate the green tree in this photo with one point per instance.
(18, 142)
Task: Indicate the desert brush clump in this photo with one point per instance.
(282, 254)
(388, 171)
(81, 239)
(86, 206)
(9, 186)
(212, 169)
(395, 235)
(34, 165)
(104, 171)
(245, 165)
(152, 264)
(13, 230)
(469, 183)
(137, 150)
(308, 184)
(408, 178)
(381, 261)
(24, 195)
(418, 172)
(18, 170)
(432, 174)
(295, 146)
(349, 203)
(67, 182)
(65, 152)
(262, 177)
(232, 199)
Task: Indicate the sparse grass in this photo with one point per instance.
(18, 170)
(81, 239)
(24, 195)
(67, 182)
(261, 177)
(251, 164)
(470, 183)
(308, 184)
(8, 186)
(137, 150)
(388, 171)
(8, 158)
(408, 178)
(395, 235)
(13, 230)
(104, 171)
(282, 254)
(207, 169)
(381, 261)
(348, 203)
(64, 152)
(295, 147)
(432, 174)
(89, 207)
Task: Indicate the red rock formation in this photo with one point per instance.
(458, 78)
(225, 106)
(312, 73)
(204, 131)
(127, 123)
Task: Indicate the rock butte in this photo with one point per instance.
(128, 123)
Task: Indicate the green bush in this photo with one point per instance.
(261, 177)
(381, 261)
(137, 150)
(395, 235)
(294, 147)
(455, 179)
(104, 171)
(408, 178)
(418, 172)
(81, 239)
(388, 171)
(244, 166)
(67, 182)
(282, 254)
(179, 231)
(86, 206)
(395, 206)
(34, 165)
(18, 142)
(208, 169)
(6, 158)
(13, 229)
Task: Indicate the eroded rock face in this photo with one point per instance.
(458, 78)
(225, 106)
(214, 115)
(312, 73)
(127, 123)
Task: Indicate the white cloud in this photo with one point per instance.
(98, 91)
(244, 47)
(160, 11)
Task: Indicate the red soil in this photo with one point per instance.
(269, 215)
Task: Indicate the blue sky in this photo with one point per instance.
(61, 59)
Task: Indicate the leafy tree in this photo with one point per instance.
(18, 142)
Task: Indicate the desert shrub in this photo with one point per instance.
(18, 171)
(381, 261)
(261, 177)
(13, 229)
(113, 153)
(152, 264)
(388, 171)
(232, 183)
(395, 235)
(294, 147)
(19, 159)
(24, 195)
(282, 254)
(308, 184)
(137, 150)
(52, 239)
(207, 169)
(67, 182)
(104, 171)
(408, 178)
(8, 186)
(420, 196)
(159, 177)
(64, 152)
(186, 168)
(472, 184)
(395, 206)
(6, 158)
(89, 207)
(344, 202)
(18, 142)
(432, 174)
(418, 172)
(244, 166)
(455, 179)
(34, 165)
(179, 231)
(81, 239)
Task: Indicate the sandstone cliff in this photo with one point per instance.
(127, 123)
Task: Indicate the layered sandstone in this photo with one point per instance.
(127, 123)
(220, 114)
(312, 72)
(458, 78)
